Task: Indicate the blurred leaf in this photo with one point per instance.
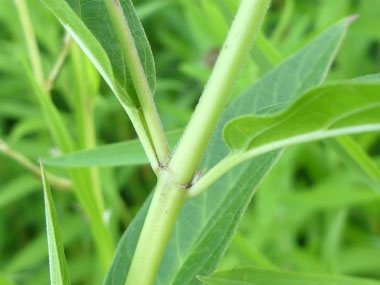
(26, 127)
(118, 154)
(207, 223)
(18, 189)
(248, 276)
(90, 26)
(332, 196)
(36, 252)
(146, 9)
(356, 157)
(90, 200)
(57, 262)
(4, 280)
(327, 111)
(52, 115)
(359, 259)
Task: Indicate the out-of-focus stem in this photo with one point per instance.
(59, 63)
(55, 181)
(31, 42)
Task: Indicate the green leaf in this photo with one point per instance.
(52, 116)
(57, 261)
(146, 9)
(247, 276)
(90, 25)
(17, 189)
(5, 280)
(207, 223)
(117, 154)
(357, 158)
(333, 110)
(35, 252)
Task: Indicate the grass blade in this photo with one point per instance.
(57, 262)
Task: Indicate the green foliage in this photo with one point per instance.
(313, 116)
(118, 154)
(198, 251)
(58, 267)
(266, 277)
(314, 209)
(91, 27)
(354, 155)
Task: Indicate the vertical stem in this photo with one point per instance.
(219, 86)
(30, 38)
(87, 138)
(84, 116)
(139, 79)
(170, 192)
(163, 213)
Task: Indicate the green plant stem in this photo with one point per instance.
(137, 121)
(221, 168)
(59, 63)
(165, 207)
(140, 81)
(89, 178)
(85, 117)
(31, 42)
(170, 191)
(54, 180)
(216, 93)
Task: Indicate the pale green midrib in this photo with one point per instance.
(239, 157)
(329, 125)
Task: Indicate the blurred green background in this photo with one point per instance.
(313, 212)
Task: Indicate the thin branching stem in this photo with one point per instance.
(57, 182)
(49, 84)
(140, 81)
(31, 42)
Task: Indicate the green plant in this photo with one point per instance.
(182, 230)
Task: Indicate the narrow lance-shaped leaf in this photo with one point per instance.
(90, 26)
(247, 276)
(57, 261)
(327, 111)
(117, 154)
(207, 223)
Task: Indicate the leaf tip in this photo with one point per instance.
(352, 18)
